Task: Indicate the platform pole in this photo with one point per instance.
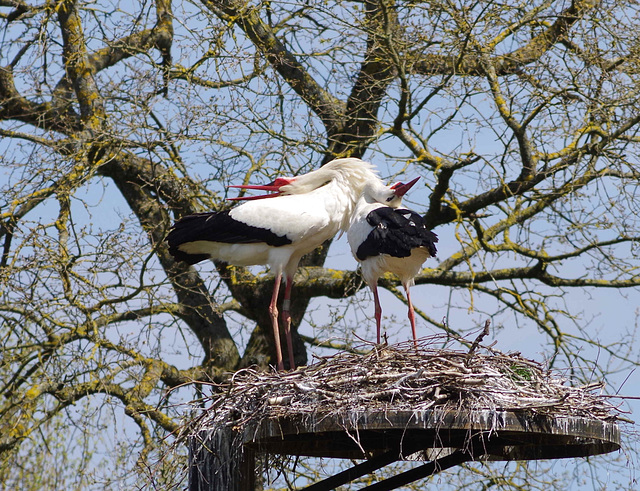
(219, 461)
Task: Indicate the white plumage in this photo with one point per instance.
(384, 237)
(303, 212)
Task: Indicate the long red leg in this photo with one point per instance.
(412, 316)
(378, 309)
(273, 313)
(286, 320)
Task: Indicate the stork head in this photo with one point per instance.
(387, 195)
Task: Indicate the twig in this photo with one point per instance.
(478, 340)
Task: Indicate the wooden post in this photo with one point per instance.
(218, 461)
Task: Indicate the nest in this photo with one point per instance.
(404, 379)
(399, 378)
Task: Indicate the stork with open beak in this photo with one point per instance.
(302, 213)
(385, 237)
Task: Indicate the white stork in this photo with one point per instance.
(384, 237)
(303, 212)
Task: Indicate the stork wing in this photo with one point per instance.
(396, 232)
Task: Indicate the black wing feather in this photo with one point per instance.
(396, 232)
(217, 227)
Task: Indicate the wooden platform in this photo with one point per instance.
(362, 435)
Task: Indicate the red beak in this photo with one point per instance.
(274, 186)
(401, 188)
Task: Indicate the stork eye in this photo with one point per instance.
(390, 198)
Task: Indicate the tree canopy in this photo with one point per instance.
(116, 120)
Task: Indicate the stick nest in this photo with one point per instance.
(399, 378)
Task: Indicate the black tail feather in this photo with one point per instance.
(189, 229)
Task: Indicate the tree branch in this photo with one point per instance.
(77, 66)
(510, 63)
(325, 106)
(376, 73)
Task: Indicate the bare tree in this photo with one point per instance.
(522, 120)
